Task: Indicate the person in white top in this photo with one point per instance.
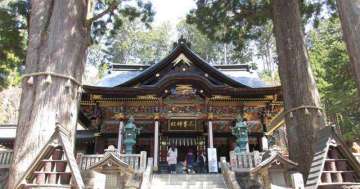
(172, 158)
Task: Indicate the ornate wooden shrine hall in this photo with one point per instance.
(141, 110)
(181, 100)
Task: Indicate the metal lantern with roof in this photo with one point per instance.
(130, 132)
(240, 131)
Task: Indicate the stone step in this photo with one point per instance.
(194, 183)
(188, 181)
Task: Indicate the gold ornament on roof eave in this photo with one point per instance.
(210, 116)
(119, 116)
(182, 59)
(96, 97)
(156, 116)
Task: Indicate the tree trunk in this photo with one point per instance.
(349, 11)
(298, 84)
(58, 40)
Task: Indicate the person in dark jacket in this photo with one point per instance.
(189, 161)
(202, 162)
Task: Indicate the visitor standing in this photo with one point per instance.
(189, 161)
(202, 162)
(172, 158)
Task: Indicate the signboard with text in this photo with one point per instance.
(212, 160)
(182, 125)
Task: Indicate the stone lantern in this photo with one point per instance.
(130, 133)
(240, 131)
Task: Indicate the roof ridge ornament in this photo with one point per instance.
(182, 41)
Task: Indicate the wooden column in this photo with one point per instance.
(119, 143)
(210, 134)
(99, 144)
(264, 143)
(121, 118)
(210, 131)
(156, 142)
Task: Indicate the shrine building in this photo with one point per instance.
(128, 121)
(182, 101)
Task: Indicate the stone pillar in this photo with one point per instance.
(119, 142)
(156, 142)
(264, 143)
(210, 131)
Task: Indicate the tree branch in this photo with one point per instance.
(111, 8)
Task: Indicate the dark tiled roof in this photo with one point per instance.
(328, 137)
(239, 76)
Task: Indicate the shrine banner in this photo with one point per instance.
(212, 160)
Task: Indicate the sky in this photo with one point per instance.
(171, 10)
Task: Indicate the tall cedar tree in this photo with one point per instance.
(349, 11)
(59, 35)
(298, 84)
(239, 21)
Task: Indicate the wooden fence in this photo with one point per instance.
(244, 161)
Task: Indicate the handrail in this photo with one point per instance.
(245, 161)
(147, 175)
(357, 156)
(276, 122)
(135, 161)
(5, 158)
(229, 176)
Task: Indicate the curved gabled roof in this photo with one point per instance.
(235, 78)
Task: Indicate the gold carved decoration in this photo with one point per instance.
(96, 97)
(210, 116)
(182, 59)
(184, 89)
(119, 116)
(146, 97)
(156, 116)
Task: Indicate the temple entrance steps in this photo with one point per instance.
(188, 181)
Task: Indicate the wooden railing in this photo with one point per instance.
(136, 161)
(244, 161)
(5, 158)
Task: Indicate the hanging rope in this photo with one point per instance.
(306, 107)
(51, 74)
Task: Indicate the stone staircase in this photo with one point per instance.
(188, 181)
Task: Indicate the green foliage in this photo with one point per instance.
(125, 10)
(135, 44)
(330, 63)
(240, 21)
(212, 51)
(12, 42)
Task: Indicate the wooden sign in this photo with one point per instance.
(182, 125)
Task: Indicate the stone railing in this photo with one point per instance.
(357, 156)
(244, 161)
(5, 158)
(147, 176)
(229, 175)
(136, 161)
